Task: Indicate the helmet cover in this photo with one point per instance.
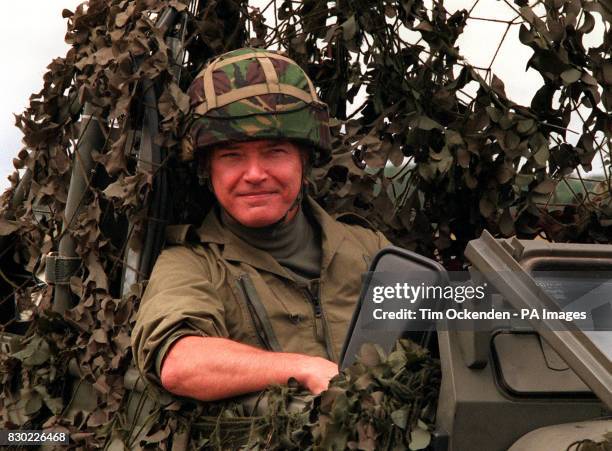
(250, 94)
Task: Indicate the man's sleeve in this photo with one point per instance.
(382, 240)
(181, 299)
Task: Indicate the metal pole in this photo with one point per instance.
(22, 189)
(148, 161)
(139, 263)
(91, 138)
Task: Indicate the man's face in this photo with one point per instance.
(257, 182)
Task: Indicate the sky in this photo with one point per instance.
(32, 34)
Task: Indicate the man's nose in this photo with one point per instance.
(255, 172)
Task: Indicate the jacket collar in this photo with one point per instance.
(235, 249)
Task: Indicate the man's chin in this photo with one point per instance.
(259, 219)
(259, 224)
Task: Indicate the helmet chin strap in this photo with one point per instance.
(296, 203)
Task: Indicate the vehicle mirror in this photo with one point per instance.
(391, 267)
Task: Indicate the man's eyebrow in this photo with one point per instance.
(228, 147)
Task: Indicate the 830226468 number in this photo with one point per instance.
(14, 437)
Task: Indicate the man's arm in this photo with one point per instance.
(211, 368)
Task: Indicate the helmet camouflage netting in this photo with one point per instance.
(252, 94)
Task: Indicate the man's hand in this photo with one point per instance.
(316, 374)
(210, 368)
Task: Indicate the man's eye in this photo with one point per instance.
(277, 151)
(230, 155)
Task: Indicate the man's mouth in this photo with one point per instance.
(256, 193)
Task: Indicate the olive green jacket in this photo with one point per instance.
(224, 287)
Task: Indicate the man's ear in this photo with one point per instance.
(203, 169)
(203, 174)
(305, 153)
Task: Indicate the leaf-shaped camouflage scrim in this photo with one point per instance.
(448, 155)
(381, 402)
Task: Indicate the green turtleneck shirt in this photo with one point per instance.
(295, 245)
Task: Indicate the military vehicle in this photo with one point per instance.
(519, 385)
(530, 384)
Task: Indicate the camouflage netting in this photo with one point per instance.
(382, 402)
(463, 158)
(590, 445)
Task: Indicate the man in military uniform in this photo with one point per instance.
(268, 290)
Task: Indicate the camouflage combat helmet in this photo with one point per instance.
(251, 94)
